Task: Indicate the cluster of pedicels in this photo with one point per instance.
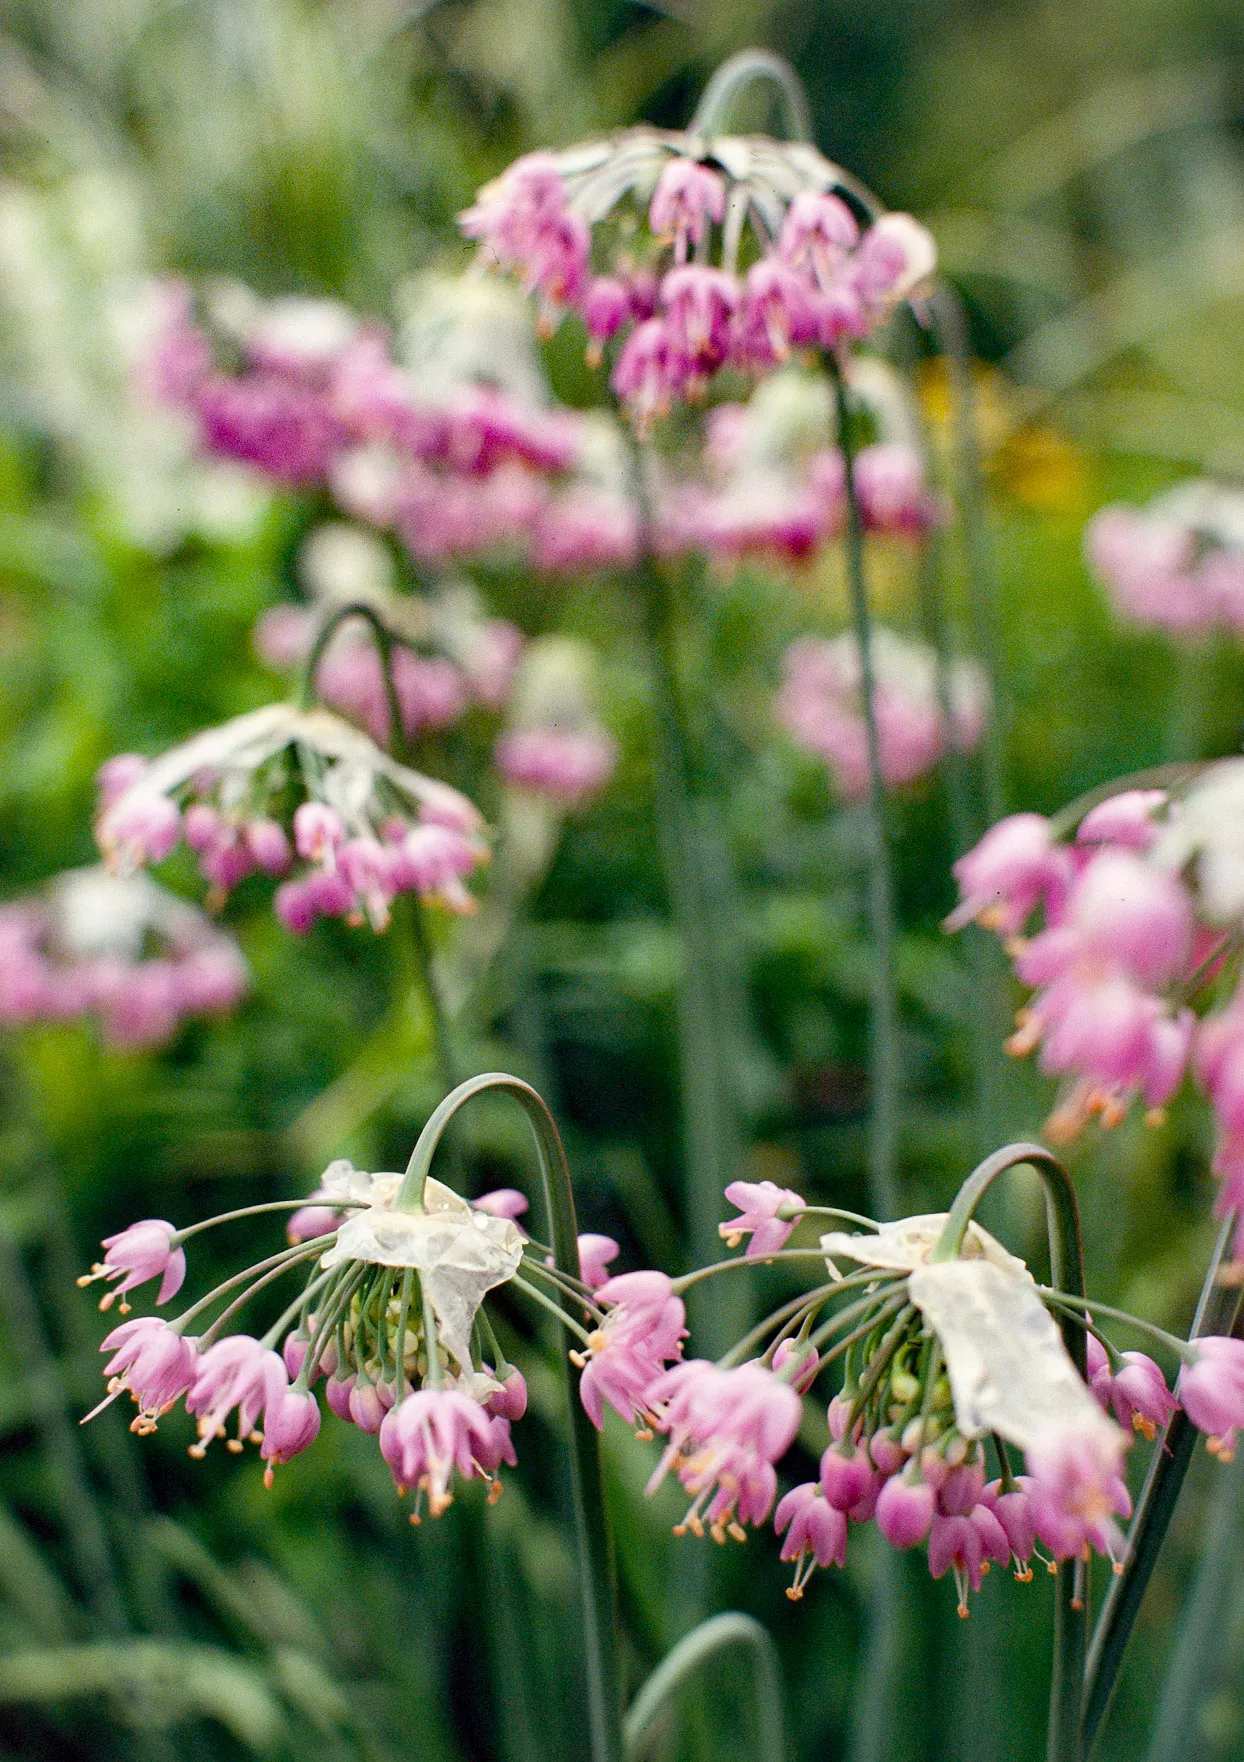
(1177, 564)
(298, 794)
(1133, 972)
(688, 255)
(389, 1322)
(921, 711)
(119, 950)
(953, 1364)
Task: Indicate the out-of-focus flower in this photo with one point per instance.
(367, 827)
(555, 747)
(119, 949)
(821, 707)
(1177, 564)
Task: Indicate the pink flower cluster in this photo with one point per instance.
(394, 831)
(821, 707)
(625, 1356)
(726, 1429)
(309, 396)
(677, 318)
(147, 964)
(1131, 938)
(1178, 564)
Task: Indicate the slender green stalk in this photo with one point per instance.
(692, 1651)
(883, 1146)
(1216, 1313)
(751, 67)
(1063, 1742)
(446, 1059)
(706, 1009)
(592, 1531)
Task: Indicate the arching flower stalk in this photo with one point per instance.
(389, 1318)
(960, 1422)
(281, 786)
(1133, 968)
(447, 655)
(120, 950)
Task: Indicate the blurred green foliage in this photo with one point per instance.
(1084, 169)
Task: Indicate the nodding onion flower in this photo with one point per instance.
(1133, 967)
(692, 254)
(961, 1423)
(365, 827)
(389, 1318)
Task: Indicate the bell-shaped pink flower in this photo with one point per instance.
(506, 1202)
(510, 1401)
(1015, 868)
(147, 1250)
(689, 197)
(816, 1533)
(291, 1421)
(643, 1329)
(433, 1434)
(235, 1373)
(1076, 1492)
(846, 1476)
(760, 1204)
(154, 1362)
(726, 1429)
(595, 1253)
(1013, 1510)
(797, 1363)
(1211, 1391)
(905, 1510)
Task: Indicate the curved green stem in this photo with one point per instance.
(884, 1140)
(1217, 1311)
(702, 1643)
(1083, 1307)
(1063, 1742)
(592, 1530)
(741, 1262)
(752, 67)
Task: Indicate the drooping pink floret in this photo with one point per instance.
(817, 233)
(1211, 1391)
(154, 1362)
(138, 827)
(905, 1510)
(1076, 1492)
(1136, 1392)
(816, 1534)
(699, 305)
(778, 313)
(1015, 868)
(310, 1221)
(893, 490)
(846, 1475)
(962, 1544)
(726, 1429)
(142, 1251)
(649, 373)
(595, 1253)
(642, 1331)
(760, 1204)
(510, 1401)
(1013, 1509)
(433, 1434)
(1125, 820)
(235, 1373)
(291, 1422)
(687, 200)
